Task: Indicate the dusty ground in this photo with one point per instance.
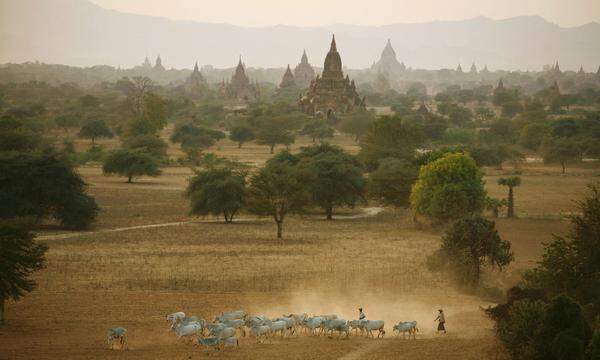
(133, 277)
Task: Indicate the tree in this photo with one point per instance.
(390, 136)
(277, 190)
(67, 121)
(448, 189)
(20, 257)
(95, 129)
(38, 186)
(333, 177)
(472, 242)
(318, 129)
(151, 118)
(217, 191)
(494, 205)
(562, 151)
(150, 144)
(392, 181)
(357, 123)
(194, 139)
(274, 130)
(532, 135)
(510, 182)
(570, 264)
(241, 134)
(130, 163)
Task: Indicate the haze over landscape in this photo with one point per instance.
(317, 179)
(81, 33)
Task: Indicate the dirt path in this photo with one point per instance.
(367, 212)
(357, 354)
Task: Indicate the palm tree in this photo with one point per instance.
(510, 182)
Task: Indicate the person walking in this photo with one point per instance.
(441, 321)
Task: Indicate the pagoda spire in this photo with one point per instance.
(304, 59)
(196, 67)
(333, 45)
(581, 71)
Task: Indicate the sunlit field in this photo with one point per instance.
(146, 257)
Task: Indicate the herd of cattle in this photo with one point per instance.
(226, 329)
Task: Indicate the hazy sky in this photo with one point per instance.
(360, 12)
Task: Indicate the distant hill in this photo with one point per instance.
(77, 32)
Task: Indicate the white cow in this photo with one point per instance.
(371, 325)
(260, 332)
(406, 327)
(187, 331)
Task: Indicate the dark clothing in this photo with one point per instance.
(441, 326)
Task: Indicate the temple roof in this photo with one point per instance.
(288, 78)
(333, 62)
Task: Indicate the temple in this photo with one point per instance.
(158, 66)
(239, 87)
(388, 63)
(288, 80)
(304, 72)
(331, 92)
(196, 81)
(473, 70)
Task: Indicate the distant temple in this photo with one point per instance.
(146, 64)
(196, 81)
(239, 87)
(581, 71)
(473, 70)
(304, 73)
(459, 69)
(288, 80)
(331, 92)
(388, 63)
(158, 66)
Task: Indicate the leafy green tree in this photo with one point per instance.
(510, 182)
(570, 264)
(392, 181)
(277, 190)
(334, 178)
(15, 137)
(60, 190)
(151, 118)
(448, 189)
(357, 123)
(195, 139)
(460, 116)
(275, 130)
(390, 136)
(241, 134)
(150, 144)
(565, 128)
(67, 121)
(532, 135)
(561, 151)
(218, 191)
(494, 205)
(470, 243)
(20, 257)
(318, 129)
(95, 129)
(130, 163)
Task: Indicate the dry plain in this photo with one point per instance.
(134, 276)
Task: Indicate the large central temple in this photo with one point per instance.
(331, 92)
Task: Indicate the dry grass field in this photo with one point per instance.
(133, 277)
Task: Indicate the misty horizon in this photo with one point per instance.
(84, 34)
